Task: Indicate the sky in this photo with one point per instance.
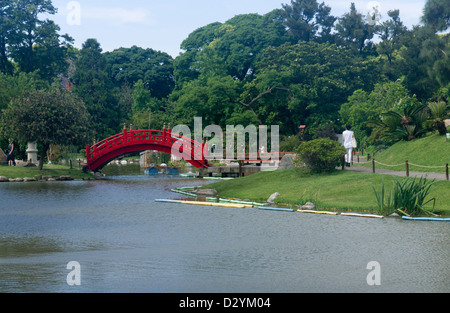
(163, 25)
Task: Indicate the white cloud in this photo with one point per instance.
(117, 16)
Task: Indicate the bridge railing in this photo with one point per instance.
(249, 156)
(183, 145)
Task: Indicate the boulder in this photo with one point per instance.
(308, 206)
(207, 192)
(98, 175)
(26, 179)
(3, 179)
(272, 198)
(287, 162)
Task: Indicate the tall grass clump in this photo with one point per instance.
(408, 197)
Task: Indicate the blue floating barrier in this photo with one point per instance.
(434, 219)
(275, 209)
(152, 171)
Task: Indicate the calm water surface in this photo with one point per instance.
(124, 241)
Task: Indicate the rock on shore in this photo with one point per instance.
(36, 178)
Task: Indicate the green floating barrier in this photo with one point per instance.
(184, 193)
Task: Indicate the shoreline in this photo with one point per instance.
(50, 172)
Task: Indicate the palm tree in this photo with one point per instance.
(439, 112)
(406, 124)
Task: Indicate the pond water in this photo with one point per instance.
(124, 241)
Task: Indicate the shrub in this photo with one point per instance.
(321, 155)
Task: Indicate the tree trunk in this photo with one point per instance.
(440, 125)
(43, 154)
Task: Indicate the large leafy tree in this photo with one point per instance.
(209, 98)
(391, 32)
(94, 86)
(307, 20)
(34, 42)
(363, 108)
(354, 32)
(229, 49)
(6, 32)
(55, 116)
(154, 68)
(424, 61)
(309, 82)
(437, 14)
(186, 67)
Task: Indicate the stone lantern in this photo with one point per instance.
(32, 153)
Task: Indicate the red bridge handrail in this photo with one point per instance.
(186, 147)
(100, 153)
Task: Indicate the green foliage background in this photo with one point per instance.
(296, 65)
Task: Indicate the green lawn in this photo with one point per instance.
(49, 169)
(340, 190)
(431, 153)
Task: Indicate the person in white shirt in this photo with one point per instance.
(347, 137)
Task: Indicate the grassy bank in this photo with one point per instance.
(48, 170)
(431, 153)
(340, 190)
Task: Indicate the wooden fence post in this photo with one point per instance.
(407, 168)
(373, 165)
(446, 170)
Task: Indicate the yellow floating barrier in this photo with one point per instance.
(318, 212)
(362, 215)
(227, 205)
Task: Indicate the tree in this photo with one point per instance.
(424, 62)
(391, 32)
(35, 43)
(403, 122)
(309, 82)
(154, 68)
(353, 32)
(17, 86)
(229, 49)
(6, 30)
(437, 14)
(363, 107)
(439, 112)
(186, 67)
(55, 116)
(208, 97)
(93, 85)
(307, 20)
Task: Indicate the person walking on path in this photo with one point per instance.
(10, 161)
(348, 137)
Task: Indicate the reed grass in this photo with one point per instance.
(408, 197)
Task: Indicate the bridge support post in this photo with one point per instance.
(202, 172)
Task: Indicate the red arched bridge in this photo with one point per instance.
(103, 152)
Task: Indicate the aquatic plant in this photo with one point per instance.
(408, 197)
